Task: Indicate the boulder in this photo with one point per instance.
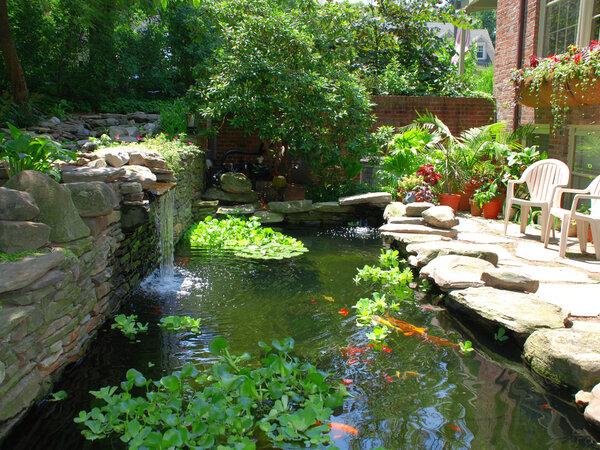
(99, 163)
(72, 174)
(17, 205)
(372, 198)
(511, 279)
(416, 209)
(147, 158)
(293, 206)
(416, 229)
(451, 272)
(269, 217)
(214, 193)
(93, 199)
(394, 209)
(117, 132)
(132, 187)
(565, 356)
(54, 201)
(235, 183)
(424, 253)
(331, 207)
(244, 210)
(17, 236)
(114, 156)
(592, 412)
(18, 274)
(139, 174)
(440, 216)
(519, 313)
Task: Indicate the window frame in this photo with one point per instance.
(584, 25)
(575, 130)
(483, 53)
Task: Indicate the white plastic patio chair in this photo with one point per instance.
(542, 179)
(592, 193)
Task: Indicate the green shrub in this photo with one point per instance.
(174, 118)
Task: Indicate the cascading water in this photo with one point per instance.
(165, 230)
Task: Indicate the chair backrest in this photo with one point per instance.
(594, 188)
(543, 176)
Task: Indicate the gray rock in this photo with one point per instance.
(416, 209)
(565, 356)
(511, 279)
(519, 313)
(269, 217)
(244, 210)
(90, 146)
(98, 163)
(127, 140)
(440, 216)
(451, 272)
(235, 183)
(394, 209)
(592, 412)
(17, 236)
(54, 201)
(52, 121)
(424, 253)
(139, 174)
(147, 158)
(416, 229)
(18, 274)
(133, 131)
(72, 174)
(372, 198)
(114, 156)
(293, 206)
(331, 207)
(398, 239)
(93, 199)
(134, 216)
(17, 205)
(130, 187)
(117, 131)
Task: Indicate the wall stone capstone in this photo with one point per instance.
(93, 198)
(17, 205)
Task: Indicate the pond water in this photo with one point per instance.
(416, 396)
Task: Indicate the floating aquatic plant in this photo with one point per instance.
(246, 238)
(180, 323)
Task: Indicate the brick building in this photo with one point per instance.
(542, 27)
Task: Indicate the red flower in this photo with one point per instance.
(534, 61)
(577, 58)
(593, 44)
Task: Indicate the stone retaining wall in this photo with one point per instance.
(92, 243)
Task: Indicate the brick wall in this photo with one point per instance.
(459, 113)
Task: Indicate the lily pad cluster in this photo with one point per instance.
(246, 238)
(281, 401)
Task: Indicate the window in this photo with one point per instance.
(567, 22)
(584, 154)
(480, 51)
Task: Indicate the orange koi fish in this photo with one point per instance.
(351, 351)
(343, 427)
(343, 312)
(410, 330)
(346, 381)
(386, 349)
(452, 427)
(352, 361)
(387, 377)
(411, 374)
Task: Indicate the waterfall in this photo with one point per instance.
(165, 230)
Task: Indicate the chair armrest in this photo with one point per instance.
(559, 190)
(582, 197)
(510, 187)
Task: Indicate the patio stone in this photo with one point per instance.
(451, 272)
(293, 206)
(416, 229)
(519, 313)
(416, 209)
(331, 207)
(405, 220)
(565, 356)
(269, 217)
(424, 253)
(440, 216)
(244, 210)
(371, 198)
(510, 279)
(394, 209)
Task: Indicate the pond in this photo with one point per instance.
(417, 395)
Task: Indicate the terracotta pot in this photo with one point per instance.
(294, 192)
(451, 200)
(528, 95)
(584, 89)
(465, 196)
(492, 209)
(475, 209)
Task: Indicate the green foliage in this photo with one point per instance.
(393, 286)
(283, 399)
(500, 335)
(246, 238)
(128, 325)
(124, 105)
(174, 118)
(24, 152)
(332, 191)
(180, 323)
(58, 396)
(10, 257)
(466, 347)
(172, 150)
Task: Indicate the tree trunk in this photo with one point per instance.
(11, 59)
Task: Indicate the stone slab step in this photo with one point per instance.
(425, 252)
(416, 229)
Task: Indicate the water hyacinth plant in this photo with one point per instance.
(245, 238)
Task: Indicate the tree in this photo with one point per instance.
(281, 73)
(20, 93)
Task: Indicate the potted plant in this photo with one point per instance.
(489, 199)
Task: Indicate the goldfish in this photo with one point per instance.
(352, 361)
(413, 374)
(351, 351)
(387, 377)
(386, 349)
(313, 301)
(343, 427)
(337, 436)
(329, 299)
(346, 381)
(343, 312)
(452, 427)
(410, 330)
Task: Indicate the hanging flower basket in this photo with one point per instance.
(544, 92)
(585, 89)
